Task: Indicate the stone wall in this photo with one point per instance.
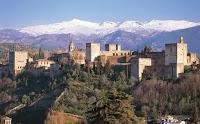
(78, 56)
(138, 65)
(116, 53)
(112, 47)
(173, 70)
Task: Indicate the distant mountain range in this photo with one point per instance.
(133, 35)
(78, 27)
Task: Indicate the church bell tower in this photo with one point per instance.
(71, 47)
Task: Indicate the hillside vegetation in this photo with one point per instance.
(100, 94)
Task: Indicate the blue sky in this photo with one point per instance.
(20, 13)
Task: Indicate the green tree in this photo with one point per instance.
(147, 50)
(107, 68)
(40, 54)
(25, 99)
(99, 68)
(114, 108)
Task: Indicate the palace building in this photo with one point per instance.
(170, 62)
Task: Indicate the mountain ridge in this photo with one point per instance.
(83, 27)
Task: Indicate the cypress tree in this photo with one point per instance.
(114, 108)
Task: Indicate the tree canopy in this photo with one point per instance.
(114, 108)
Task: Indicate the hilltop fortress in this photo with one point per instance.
(169, 63)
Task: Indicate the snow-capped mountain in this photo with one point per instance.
(76, 26)
(133, 35)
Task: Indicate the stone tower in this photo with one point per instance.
(176, 57)
(17, 61)
(92, 51)
(71, 47)
(182, 52)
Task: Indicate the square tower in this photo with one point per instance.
(92, 51)
(176, 57)
(17, 61)
(176, 53)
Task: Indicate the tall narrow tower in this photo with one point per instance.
(71, 47)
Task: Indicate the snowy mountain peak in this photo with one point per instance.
(108, 24)
(169, 25)
(75, 19)
(77, 26)
(81, 23)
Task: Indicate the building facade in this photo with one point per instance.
(112, 47)
(77, 56)
(5, 120)
(44, 63)
(192, 59)
(92, 51)
(17, 61)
